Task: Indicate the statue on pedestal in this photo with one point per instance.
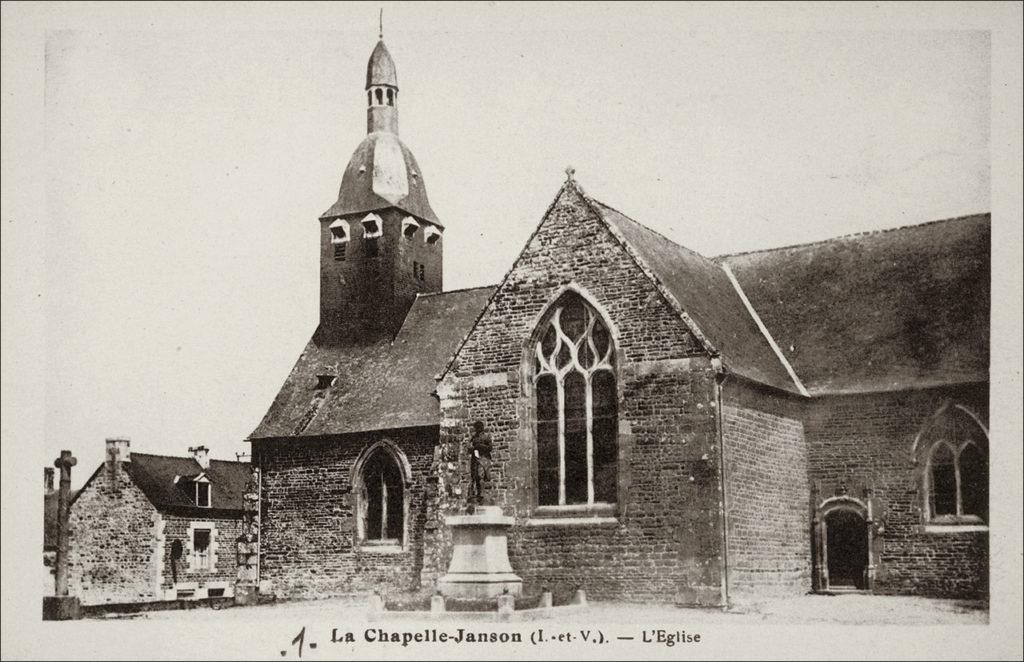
(479, 462)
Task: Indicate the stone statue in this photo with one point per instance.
(480, 461)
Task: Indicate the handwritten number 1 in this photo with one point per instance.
(299, 639)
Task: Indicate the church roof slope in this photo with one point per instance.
(888, 310)
(705, 294)
(378, 386)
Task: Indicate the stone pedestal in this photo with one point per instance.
(479, 567)
(61, 608)
(246, 594)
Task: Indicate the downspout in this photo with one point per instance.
(721, 375)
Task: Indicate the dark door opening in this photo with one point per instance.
(847, 550)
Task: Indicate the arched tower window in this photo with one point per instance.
(954, 445)
(381, 499)
(576, 406)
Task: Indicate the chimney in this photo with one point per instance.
(201, 454)
(117, 452)
(48, 479)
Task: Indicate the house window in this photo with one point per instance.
(339, 252)
(202, 494)
(956, 468)
(576, 407)
(381, 500)
(200, 549)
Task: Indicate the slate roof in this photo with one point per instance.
(380, 69)
(888, 310)
(366, 172)
(706, 295)
(378, 386)
(155, 474)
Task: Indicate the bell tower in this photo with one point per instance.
(380, 242)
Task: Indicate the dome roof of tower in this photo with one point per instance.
(382, 173)
(380, 70)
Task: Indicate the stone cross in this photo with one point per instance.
(64, 463)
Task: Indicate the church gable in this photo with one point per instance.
(573, 247)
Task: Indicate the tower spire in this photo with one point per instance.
(380, 24)
(381, 89)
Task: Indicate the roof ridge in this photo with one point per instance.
(184, 457)
(852, 235)
(420, 295)
(172, 457)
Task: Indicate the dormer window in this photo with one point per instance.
(202, 493)
(409, 227)
(325, 381)
(372, 226)
(431, 234)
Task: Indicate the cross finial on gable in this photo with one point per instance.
(569, 172)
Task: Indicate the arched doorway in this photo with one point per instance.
(847, 548)
(844, 545)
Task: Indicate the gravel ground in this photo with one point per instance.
(834, 610)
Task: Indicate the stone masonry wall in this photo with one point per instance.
(224, 564)
(864, 442)
(113, 543)
(767, 492)
(309, 546)
(662, 541)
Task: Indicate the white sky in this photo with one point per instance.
(185, 169)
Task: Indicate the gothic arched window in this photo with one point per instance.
(956, 468)
(576, 406)
(381, 500)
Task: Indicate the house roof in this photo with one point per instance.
(879, 311)
(705, 294)
(378, 386)
(155, 476)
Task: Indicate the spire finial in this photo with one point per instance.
(380, 23)
(569, 172)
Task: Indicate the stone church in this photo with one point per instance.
(664, 426)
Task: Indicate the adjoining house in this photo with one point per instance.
(664, 426)
(153, 527)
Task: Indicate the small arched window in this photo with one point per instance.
(955, 445)
(576, 406)
(381, 500)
